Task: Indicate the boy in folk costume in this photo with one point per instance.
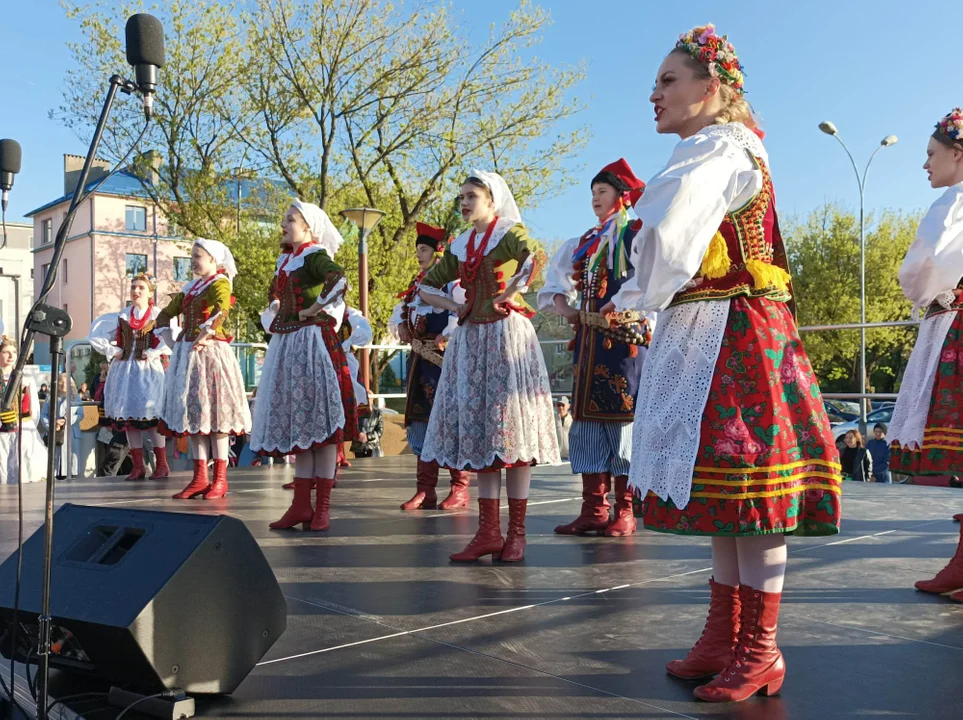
(590, 283)
(204, 396)
(426, 333)
(926, 431)
(134, 389)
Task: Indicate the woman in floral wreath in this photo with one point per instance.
(731, 435)
(204, 396)
(32, 457)
(134, 389)
(927, 428)
(493, 406)
(592, 275)
(428, 335)
(305, 403)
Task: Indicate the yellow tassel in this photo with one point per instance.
(716, 262)
(767, 275)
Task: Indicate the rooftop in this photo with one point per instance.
(125, 183)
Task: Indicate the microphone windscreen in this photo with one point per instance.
(9, 156)
(145, 40)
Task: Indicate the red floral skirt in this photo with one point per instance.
(767, 462)
(348, 399)
(942, 451)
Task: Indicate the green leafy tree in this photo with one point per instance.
(824, 254)
(342, 102)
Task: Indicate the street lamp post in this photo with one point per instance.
(830, 129)
(366, 219)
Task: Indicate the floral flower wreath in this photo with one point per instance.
(147, 278)
(951, 126)
(716, 52)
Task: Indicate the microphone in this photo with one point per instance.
(145, 51)
(9, 166)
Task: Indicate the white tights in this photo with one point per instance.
(135, 438)
(318, 463)
(758, 561)
(517, 481)
(202, 446)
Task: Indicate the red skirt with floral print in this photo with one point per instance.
(942, 451)
(767, 462)
(348, 401)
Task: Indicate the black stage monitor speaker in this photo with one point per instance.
(150, 601)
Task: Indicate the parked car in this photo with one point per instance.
(883, 415)
(842, 408)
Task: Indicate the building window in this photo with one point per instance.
(65, 309)
(63, 271)
(46, 229)
(43, 270)
(136, 264)
(136, 218)
(31, 273)
(182, 269)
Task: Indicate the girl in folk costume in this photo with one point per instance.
(204, 396)
(355, 332)
(731, 437)
(927, 428)
(134, 389)
(427, 336)
(305, 403)
(493, 405)
(32, 456)
(589, 282)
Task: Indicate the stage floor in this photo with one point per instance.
(381, 625)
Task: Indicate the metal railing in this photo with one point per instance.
(860, 397)
(805, 328)
(69, 369)
(407, 348)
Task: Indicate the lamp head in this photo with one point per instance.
(365, 218)
(827, 127)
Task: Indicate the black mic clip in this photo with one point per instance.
(128, 87)
(46, 320)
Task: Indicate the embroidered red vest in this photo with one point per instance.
(747, 256)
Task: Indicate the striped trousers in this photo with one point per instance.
(598, 447)
(416, 436)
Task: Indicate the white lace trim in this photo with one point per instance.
(493, 400)
(296, 262)
(672, 397)
(738, 134)
(459, 246)
(913, 403)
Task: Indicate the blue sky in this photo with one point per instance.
(873, 68)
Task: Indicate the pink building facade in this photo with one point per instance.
(117, 232)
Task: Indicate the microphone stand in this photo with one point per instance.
(55, 323)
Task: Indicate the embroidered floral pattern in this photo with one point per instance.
(767, 461)
(942, 451)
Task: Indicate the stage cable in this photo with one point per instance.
(38, 301)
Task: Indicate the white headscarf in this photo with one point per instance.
(221, 254)
(505, 206)
(322, 229)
